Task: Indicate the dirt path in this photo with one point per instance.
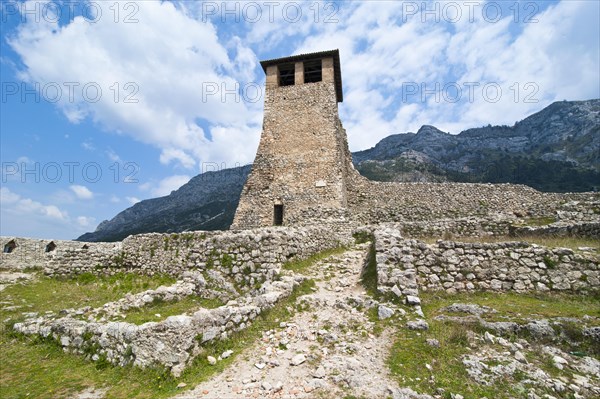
(328, 351)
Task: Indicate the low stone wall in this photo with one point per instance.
(406, 266)
(585, 229)
(172, 343)
(372, 202)
(248, 257)
(239, 265)
(462, 227)
(19, 253)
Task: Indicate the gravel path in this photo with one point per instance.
(328, 351)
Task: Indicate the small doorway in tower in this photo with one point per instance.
(278, 215)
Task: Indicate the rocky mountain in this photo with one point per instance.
(556, 149)
(207, 202)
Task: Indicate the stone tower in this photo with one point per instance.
(300, 172)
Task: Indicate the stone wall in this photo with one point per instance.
(482, 227)
(172, 343)
(407, 266)
(560, 229)
(35, 253)
(371, 202)
(239, 267)
(247, 257)
(461, 227)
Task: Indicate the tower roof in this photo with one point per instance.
(335, 54)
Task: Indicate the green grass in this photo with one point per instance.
(539, 221)
(361, 237)
(164, 309)
(53, 294)
(301, 266)
(31, 368)
(38, 368)
(369, 274)
(514, 305)
(410, 351)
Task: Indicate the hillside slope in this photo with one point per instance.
(556, 149)
(207, 202)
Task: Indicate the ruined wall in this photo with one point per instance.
(448, 228)
(578, 229)
(248, 257)
(372, 202)
(35, 253)
(239, 267)
(482, 227)
(172, 343)
(407, 266)
(302, 159)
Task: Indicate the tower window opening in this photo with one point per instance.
(50, 247)
(278, 215)
(313, 71)
(9, 247)
(287, 74)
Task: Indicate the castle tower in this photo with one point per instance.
(302, 164)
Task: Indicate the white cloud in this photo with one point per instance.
(15, 171)
(133, 200)
(166, 185)
(26, 217)
(87, 145)
(14, 203)
(86, 222)
(24, 159)
(172, 154)
(172, 60)
(114, 199)
(169, 64)
(113, 156)
(7, 197)
(82, 192)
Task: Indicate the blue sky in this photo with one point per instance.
(106, 103)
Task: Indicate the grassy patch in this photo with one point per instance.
(32, 367)
(539, 221)
(52, 294)
(513, 305)
(369, 273)
(37, 368)
(160, 310)
(361, 237)
(551, 242)
(301, 266)
(549, 262)
(410, 352)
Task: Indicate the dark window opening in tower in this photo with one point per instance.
(286, 74)
(9, 247)
(278, 215)
(313, 71)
